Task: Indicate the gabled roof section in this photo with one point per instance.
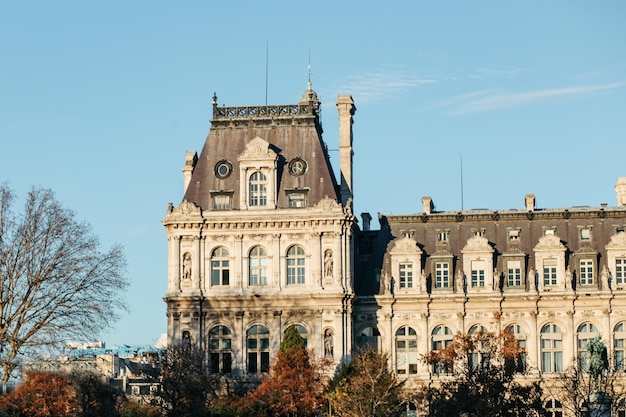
(291, 133)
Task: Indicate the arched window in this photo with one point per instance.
(619, 336)
(258, 345)
(442, 338)
(220, 350)
(369, 338)
(295, 265)
(585, 333)
(480, 356)
(258, 266)
(551, 348)
(520, 336)
(257, 189)
(553, 408)
(220, 272)
(406, 351)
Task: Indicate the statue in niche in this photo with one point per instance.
(328, 263)
(386, 282)
(459, 281)
(604, 278)
(496, 280)
(532, 279)
(568, 278)
(187, 266)
(328, 343)
(423, 278)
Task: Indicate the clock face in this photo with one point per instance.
(297, 166)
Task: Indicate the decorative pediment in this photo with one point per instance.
(618, 241)
(257, 149)
(187, 208)
(405, 245)
(549, 242)
(441, 253)
(328, 203)
(477, 244)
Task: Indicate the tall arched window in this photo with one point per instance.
(442, 338)
(295, 265)
(258, 266)
(585, 333)
(480, 356)
(406, 351)
(257, 189)
(551, 348)
(520, 336)
(220, 272)
(258, 345)
(619, 347)
(220, 350)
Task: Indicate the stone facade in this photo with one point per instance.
(265, 238)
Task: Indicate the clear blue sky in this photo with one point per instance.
(100, 100)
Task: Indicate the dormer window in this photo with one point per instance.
(585, 234)
(442, 236)
(221, 200)
(549, 232)
(257, 189)
(297, 198)
(514, 235)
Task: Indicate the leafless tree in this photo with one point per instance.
(55, 283)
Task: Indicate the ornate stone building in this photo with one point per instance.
(265, 238)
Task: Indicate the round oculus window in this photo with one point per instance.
(297, 166)
(223, 169)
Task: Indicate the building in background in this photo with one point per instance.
(265, 238)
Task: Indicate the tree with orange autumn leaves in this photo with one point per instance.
(295, 387)
(42, 395)
(477, 378)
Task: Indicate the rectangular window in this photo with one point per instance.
(219, 272)
(513, 235)
(478, 274)
(265, 361)
(222, 201)
(549, 272)
(442, 236)
(442, 275)
(252, 363)
(514, 273)
(586, 272)
(406, 275)
(296, 199)
(585, 234)
(620, 270)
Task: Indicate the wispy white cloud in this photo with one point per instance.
(384, 84)
(489, 100)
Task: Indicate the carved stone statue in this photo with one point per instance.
(386, 282)
(423, 278)
(328, 343)
(604, 278)
(496, 280)
(532, 279)
(568, 278)
(328, 263)
(187, 266)
(459, 281)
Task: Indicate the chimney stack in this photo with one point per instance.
(191, 157)
(346, 109)
(530, 202)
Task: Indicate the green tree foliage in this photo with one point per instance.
(365, 387)
(55, 282)
(481, 368)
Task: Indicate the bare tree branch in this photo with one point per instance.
(55, 282)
